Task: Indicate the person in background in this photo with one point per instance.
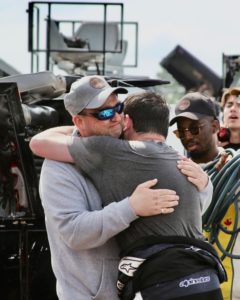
(230, 132)
(115, 166)
(197, 128)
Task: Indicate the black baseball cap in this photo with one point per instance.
(194, 106)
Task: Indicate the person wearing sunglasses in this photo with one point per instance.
(115, 166)
(84, 253)
(197, 127)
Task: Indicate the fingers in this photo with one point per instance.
(200, 183)
(188, 172)
(166, 204)
(165, 211)
(148, 184)
(162, 211)
(170, 203)
(167, 201)
(165, 198)
(183, 166)
(187, 161)
(146, 201)
(193, 180)
(189, 168)
(165, 192)
(184, 158)
(194, 173)
(187, 164)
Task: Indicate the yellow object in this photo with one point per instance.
(230, 288)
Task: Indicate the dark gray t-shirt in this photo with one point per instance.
(116, 167)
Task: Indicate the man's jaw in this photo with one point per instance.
(191, 146)
(233, 121)
(115, 130)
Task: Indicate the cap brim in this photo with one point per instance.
(188, 115)
(99, 100)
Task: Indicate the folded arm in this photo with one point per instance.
(53, 143)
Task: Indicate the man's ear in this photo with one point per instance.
(77, 121)
(215, 126)
(128, 124)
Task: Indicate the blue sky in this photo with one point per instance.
(206, 28)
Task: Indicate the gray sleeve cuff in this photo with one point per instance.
(206, 196)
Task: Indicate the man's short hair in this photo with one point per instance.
(148, 111)
(195, 106)
(234, 91)
(89, 92)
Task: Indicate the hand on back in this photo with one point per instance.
(148, 202)
(194, 173)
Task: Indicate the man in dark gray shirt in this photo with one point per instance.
(116, 166)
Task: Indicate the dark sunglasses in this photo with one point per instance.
(105, 113)
(194, 130)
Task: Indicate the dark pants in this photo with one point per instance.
(202, 285)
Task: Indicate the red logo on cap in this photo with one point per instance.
(97, 83)
(184, 104)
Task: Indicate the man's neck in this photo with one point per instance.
(235, 136)
(155, 137)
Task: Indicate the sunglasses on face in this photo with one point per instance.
(106, 113)
(194, 130)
